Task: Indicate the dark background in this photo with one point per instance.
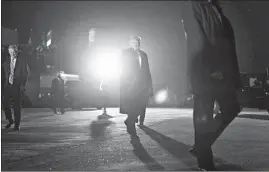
(158, 23)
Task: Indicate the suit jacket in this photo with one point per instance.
(135, 82)
(20, 72)
(210, 48)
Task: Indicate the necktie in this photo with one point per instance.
(12, 67)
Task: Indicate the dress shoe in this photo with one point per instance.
(63, 111)
(141, 125)
(9, 125)
(16, 128)
(134, 136)
(207, 167)
(211, 168)
(201, 169)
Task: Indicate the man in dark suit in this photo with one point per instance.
(57, 93)
(213, 74)
(135, 85)
(16, 74)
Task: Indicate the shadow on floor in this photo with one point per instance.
(5, 130)
(88, 109)
(99, 129)
(144, 156)
(181, 151)
(253, 116)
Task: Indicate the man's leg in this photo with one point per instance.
(130, 124)
(142, 116)
(7, 107)
(203, 127)
(17, 110)
(230, 108)
(54, 104)
(62, 104)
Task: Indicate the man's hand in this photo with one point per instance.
(217, 75)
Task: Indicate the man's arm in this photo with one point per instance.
(125, 70)
(53, 86)
(196, 39)
(234, 60)
(25, 72)
(148, 73)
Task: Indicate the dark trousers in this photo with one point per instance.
(206, 128)
(58, 102)
(142, 116)
(131, 118)
(12, 92)
(130, 122)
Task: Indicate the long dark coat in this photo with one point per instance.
(57, 92)
(210, 48)
(135, 82)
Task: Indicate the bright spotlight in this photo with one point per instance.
(107, 65)
(92, 34)
(161, 96)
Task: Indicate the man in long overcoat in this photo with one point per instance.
(135, 84)
(213, 74)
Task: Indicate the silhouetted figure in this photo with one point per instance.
(266, 88)
(213, 74)
(135, 85)
(57, 93)
(16, 74)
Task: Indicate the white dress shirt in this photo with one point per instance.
(12, 69)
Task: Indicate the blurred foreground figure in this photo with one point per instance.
(16, 74)
(213, 74)
(135, 85)
(57, 93)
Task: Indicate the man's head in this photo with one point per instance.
(13, 50)
(135, 42)
(59, 74)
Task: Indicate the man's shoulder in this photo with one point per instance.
(143, 53)
(22, 57)
(195, 7)
(199, 3)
